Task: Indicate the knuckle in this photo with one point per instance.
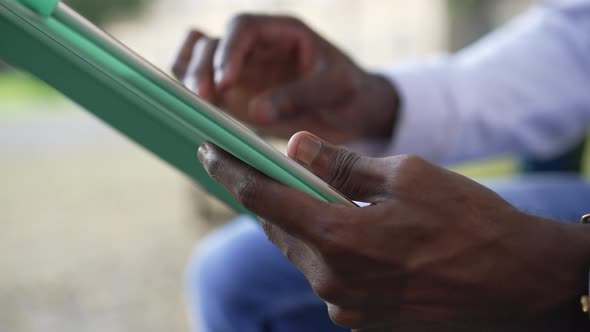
(410, 162)
(189, 42)
(341, 169)
(349, 81)
(329, 289)
(296, 23)
(407, 170)
(242, 21)
(292, 20)
(194, 34)
(347, 317)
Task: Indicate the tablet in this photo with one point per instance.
(92, 68)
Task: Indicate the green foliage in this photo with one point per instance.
(100, 11)
(19, 87)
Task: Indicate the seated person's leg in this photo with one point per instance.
(239, 281)
(562, 197)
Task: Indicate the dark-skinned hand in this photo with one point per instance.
(278, 75)
(435, 251)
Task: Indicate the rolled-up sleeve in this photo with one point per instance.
(524, 89)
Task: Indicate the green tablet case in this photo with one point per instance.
(35, 37)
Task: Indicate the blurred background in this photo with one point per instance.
(94, 231)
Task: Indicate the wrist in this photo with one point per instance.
(573, 257)
(565, 251)
(553, 260)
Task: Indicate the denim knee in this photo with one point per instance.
(217, 282)
(557, 196)
(239, 281)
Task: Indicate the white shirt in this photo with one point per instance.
(525, 89)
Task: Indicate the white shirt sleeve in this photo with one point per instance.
(524, 89)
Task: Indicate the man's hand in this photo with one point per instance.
(280, 76)
(434, 251)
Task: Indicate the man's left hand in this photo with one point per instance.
(434, 250)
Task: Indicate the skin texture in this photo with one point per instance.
(276, 74)
(434, 251)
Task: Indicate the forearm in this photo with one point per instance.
(522, 90)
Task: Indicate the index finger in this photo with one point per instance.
(294, 211)
(245, 30)
(185, 54)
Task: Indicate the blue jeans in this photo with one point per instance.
(238, 281)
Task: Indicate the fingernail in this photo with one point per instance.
(202, 155)
(308, 150)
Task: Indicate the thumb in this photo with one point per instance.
(358, 177)
(294, 99)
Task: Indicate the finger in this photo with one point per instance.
(295, 212)
(300, 97)
(360, 178)
(185, 54)
(200, 70)
(296, 250)
(245, 31)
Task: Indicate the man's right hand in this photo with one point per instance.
(278, 75)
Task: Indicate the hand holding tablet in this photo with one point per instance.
(99, 73)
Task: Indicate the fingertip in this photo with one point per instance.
(304, 147)
(294, 143)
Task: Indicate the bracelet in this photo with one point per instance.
(585, 299)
